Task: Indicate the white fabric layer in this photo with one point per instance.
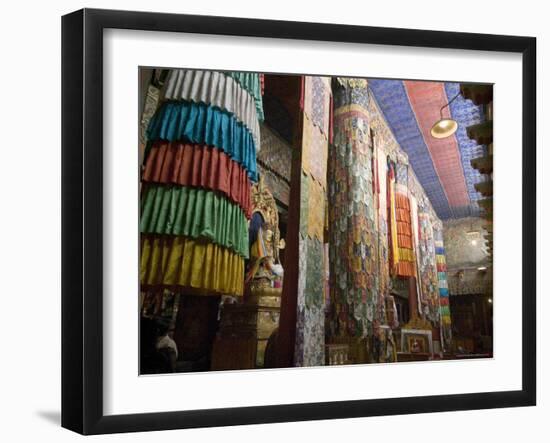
(216, 89)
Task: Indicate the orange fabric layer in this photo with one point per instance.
(404, 241)
(405, 269)
(404, 228)
(403, 215)
(402, 201)
(199, 166)
(405, 265)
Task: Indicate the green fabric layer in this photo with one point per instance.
(251, 82)
(196, 213)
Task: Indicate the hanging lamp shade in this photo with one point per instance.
(444, 128)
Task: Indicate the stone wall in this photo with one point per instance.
(469, 265)
(464, 243)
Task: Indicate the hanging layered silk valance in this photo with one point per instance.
(196, 183)
(392, 218)
(405, 263)
(173, 262)
(252, 83)
(196, 213)
(198, 166)
(214, 89)
(202, 124)
(444, 310)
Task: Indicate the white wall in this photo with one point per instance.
(30, 218)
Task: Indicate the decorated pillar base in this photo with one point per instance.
(347, 350)
(416, 340)
(245, 330)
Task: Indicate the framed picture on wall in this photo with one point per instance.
(261, 216)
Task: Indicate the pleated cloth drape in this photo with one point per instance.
(215, 89)
(194, 212)
(179, 262)
(196, 183)
(405, 263)
(198, 166)
(399, 229)
(253, 84)
(445, 312)
(203, 124)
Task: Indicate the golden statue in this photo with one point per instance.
(264, 269)
(246, 327)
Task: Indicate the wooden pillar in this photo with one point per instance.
(287, 322)
(484, 314)
(413, 298)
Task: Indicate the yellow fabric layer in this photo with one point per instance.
(440, 259)
(393, 223)
(186, 262)
(406, 255)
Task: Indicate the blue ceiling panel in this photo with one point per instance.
(466, 113)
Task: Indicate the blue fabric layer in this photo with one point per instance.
(203, 124)
(439, 250)
(443, 292)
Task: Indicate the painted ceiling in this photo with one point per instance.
(441, 165)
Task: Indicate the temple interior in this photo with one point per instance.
(291, 221)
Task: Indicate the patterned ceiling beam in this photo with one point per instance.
(426, 99)
(393, 100)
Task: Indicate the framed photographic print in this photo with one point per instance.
(271, 221)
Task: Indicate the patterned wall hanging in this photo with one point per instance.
(310, 328)
(352, 234)
(428, 278)
(383, 253)
(314, 152)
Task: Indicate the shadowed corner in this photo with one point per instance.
(54, 417)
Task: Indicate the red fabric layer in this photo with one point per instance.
(199, 166)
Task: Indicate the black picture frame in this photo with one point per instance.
(82, 220)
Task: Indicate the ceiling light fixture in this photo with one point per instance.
(444, 127)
